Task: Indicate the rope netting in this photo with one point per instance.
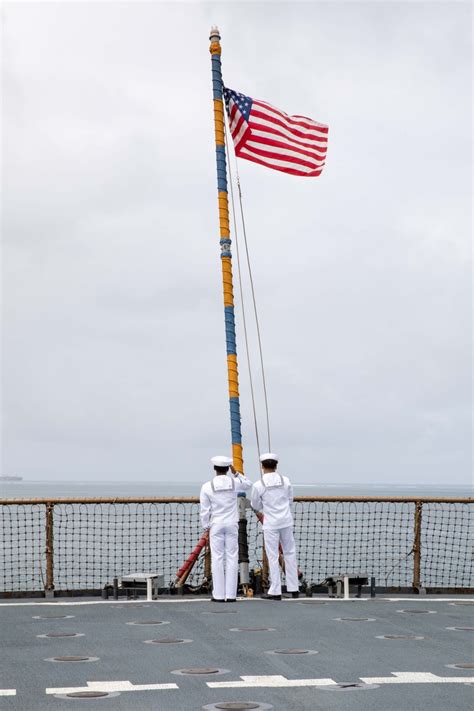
(22, 547)
(94, 542)
(365, 537)
(447, 544)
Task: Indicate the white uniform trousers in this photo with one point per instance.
(274, 536)
(224, 541)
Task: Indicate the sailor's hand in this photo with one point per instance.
(233, 470)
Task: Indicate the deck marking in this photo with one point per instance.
(7, 692)
(281, 681)
(268, 681)
(417, 678)
(206, 600)
(111, 686)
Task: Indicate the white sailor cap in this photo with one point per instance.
(269, 455)
(220, 461)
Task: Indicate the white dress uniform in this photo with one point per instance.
(273, 495)
(219, 515)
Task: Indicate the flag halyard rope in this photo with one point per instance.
(257, 323)
(252, 289)
(241, 294)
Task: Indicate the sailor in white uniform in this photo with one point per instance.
(219, 516)
(273, 495)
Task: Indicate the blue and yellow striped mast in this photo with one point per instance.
(226, 253)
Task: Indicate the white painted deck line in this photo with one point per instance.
(7, 692)
(267, 682)
(417, 678)
(281, 681)
(424, 599)
(111, 686)
(141, 601)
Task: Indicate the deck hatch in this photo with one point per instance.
(200, 671)
(168, 640)
(349, 686)
(87, 694)
(292, 651)
(149, 622)
(219, 612)
(414, 611)
(55, 635)
(461, 629)
(354, 619)
(399, 636)
(252, 629)
(75, 659)
(238, 706)
(461, 665)
(53, 617)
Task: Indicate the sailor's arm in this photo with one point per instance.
(241, 480)
(256, 499)
(205, 509)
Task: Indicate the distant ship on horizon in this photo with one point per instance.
(10, 477)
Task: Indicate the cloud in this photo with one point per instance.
(113, 335)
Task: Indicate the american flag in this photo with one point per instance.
(265, 135)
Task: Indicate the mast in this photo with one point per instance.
(226, 253)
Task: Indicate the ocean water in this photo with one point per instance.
(107, 489)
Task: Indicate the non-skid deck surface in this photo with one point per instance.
(392, 674)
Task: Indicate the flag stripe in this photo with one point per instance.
(266, 149)
(279, 165)
(276, 135)
(242, 136)
(272, 155)
(283, 126)
(235, 118)
(298, 121)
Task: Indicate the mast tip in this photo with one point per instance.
(214, 35)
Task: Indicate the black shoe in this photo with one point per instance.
(295, 593)
(213, 599)
(230, 599)
(266, 596)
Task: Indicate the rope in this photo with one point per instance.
(241, 293)
(254, 300)
(254, 309)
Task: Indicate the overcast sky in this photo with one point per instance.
(114, 361)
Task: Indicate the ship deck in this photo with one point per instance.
(412, 670)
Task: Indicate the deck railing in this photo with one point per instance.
(64, 545)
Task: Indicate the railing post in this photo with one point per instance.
(49, 586)
(417, 547)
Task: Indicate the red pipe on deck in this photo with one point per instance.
(189, 562)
